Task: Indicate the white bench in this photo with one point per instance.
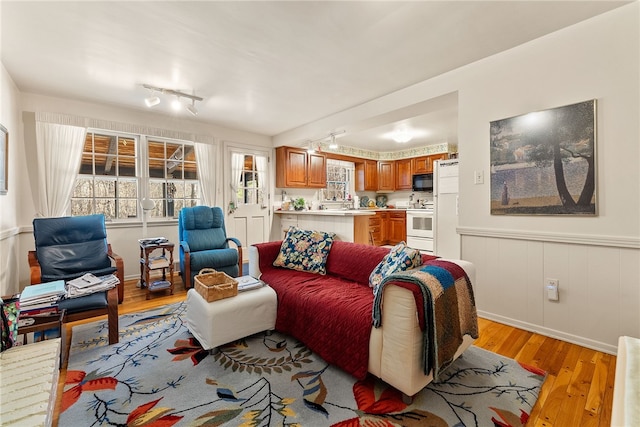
(29, 383)
(229, 319)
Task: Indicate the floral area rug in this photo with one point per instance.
(158, 375)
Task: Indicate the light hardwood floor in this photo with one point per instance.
(578, 390)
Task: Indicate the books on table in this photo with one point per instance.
(42, 291)
(158, 262)
(246, 283)
(41, 298)
(153, 241)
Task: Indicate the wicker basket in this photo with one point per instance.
(214, 285)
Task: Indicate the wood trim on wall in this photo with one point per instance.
(9, 233)
(582, 239)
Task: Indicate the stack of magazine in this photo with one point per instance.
(89, 284)
(41, 299)
(153, 241)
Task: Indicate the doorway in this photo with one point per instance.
(247, 198)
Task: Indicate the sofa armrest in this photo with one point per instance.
(254, 262)
(395, 349)
(117, 259)
(261, 257)
(34, 267)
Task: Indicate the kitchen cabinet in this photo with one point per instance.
(424, 164)
(386, 175)
(377, 232)
(387, 228)
(434, 157)
(421, 165)
(403, 174)
(367, 175)
(396, 227)
(295, 167)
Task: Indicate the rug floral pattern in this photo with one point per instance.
(158, 375)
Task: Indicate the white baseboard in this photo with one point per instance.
(552, 333)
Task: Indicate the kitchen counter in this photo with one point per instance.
(350, 225)
(338, 212)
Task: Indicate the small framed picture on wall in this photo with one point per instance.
(4, 159)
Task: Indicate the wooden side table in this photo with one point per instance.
(43, 323)
(156, 257)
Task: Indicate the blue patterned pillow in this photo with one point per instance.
(400, 258)
(305, 250)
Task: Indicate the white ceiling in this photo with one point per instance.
(267, 66)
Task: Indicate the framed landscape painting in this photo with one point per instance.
(544, 163)
(4, 159)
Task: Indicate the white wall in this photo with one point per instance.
(597, 259)
(9, 227)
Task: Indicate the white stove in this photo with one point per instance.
(420, 228)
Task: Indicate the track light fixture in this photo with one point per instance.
(176, 104)
(152, 101)
(192, 108)
(332, 145)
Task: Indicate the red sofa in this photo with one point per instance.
(332, 313)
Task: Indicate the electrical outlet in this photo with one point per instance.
(552, 289)
(478, 177)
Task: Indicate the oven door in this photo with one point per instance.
(420, 223)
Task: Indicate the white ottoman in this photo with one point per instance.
(229, 319)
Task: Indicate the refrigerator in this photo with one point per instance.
(446, 240)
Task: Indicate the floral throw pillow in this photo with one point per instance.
(400, 258)
(305, 250)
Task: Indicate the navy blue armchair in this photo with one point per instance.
(69, 247)
(204, 243)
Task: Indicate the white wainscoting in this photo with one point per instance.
(599, 287)
(9, 261)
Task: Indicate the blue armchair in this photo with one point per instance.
(204, 243)
(67, 248)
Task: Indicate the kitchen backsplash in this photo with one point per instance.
(311, 195)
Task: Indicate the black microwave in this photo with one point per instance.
(423, 182)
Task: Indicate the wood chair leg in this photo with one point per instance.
(112, 316)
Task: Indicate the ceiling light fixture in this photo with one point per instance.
(192, 108)
(310, 148)
(176, 104)
(332, 144)
(402, 135)
(152, 101)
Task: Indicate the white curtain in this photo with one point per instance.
(206, 161)
(59, 154)
(261, 168)
(237, 165)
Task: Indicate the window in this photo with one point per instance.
(173, 177)
(107, 182)
(339, 180)
(112, 174)
(250, 171)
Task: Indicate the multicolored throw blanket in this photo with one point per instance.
(446, 293)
